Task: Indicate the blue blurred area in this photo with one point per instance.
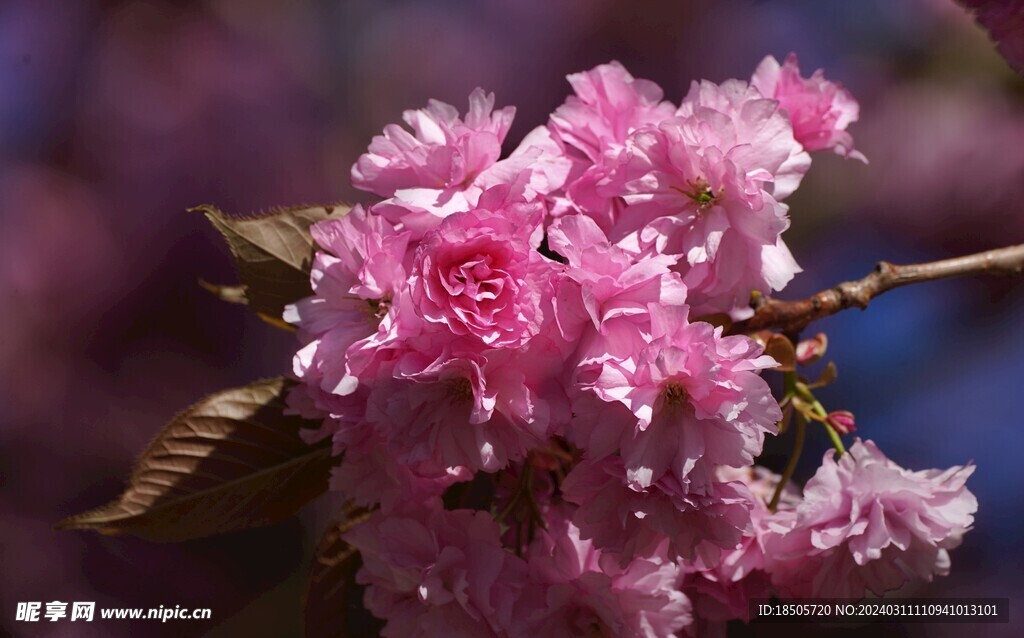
(116, 116)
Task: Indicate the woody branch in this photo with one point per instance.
(793, 316)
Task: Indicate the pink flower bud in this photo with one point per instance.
(810, 350)
(843, 421)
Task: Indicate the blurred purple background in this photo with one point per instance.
(117, 116)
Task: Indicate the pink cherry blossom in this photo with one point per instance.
(368, 473)
(448, 165)
(634, 521)
(437, 573)
(371, 476)
(722, 591)
(540, 164)
(608, 104)
(820, 110)
(535, 172)
(695, 400)
(444, 414)
(603, 282)
(706, 185)
(355, 276)
(593, 126)
(448, 402)
(443, 151)
(366, 357)
(575, 590)
(751, 130)
(420, 210)
(868, 524)
(479, 272)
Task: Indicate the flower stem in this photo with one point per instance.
(822, 415)
(794, 458)
(837, 443)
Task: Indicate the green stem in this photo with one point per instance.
(794, 458)
(789, 381)
(837, 443)
(822, 413)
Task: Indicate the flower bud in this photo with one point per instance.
(810, 350)
(842, 421)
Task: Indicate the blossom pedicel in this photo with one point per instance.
(538, 325)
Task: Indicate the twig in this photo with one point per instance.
(793, 316)
(820, 414)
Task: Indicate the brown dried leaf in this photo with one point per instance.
(273, 253)
(781, 349)
(827, 376)
(333, 605)
(230, 462)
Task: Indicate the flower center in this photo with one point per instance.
(701, 193)
(437, 586)
(586, 623)
(462, 390)
(379, 307)
(675, 394)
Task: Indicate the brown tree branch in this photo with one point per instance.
(793, 316)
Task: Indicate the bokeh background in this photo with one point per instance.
(116, 116)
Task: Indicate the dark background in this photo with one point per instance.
(117, 116)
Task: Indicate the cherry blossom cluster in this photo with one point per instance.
(509, 357)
